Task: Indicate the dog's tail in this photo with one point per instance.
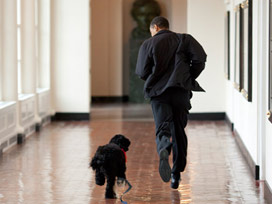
(98, 159)
(96, 163)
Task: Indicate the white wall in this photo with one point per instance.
(70, 55)
(268, 153)
(205, 21)
(249, 118)
(229, 83)
(241, 112)
(266, 126)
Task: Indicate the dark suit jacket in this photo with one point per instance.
(169, 59)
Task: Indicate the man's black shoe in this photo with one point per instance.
(164, 168)
(175, 179)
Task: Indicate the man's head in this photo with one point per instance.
(158, 23)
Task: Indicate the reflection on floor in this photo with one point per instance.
(52, 166)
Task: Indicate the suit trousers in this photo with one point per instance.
(170, 111)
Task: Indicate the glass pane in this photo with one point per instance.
(19, 78)
(18, 12)
(36, 43)
(19, 57)
(36, 13)
(37, 74)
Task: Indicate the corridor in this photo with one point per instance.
(51, 167)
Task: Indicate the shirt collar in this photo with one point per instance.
(162, 31)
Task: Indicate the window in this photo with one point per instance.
(19, 43)
(42, 27)
(37, 42)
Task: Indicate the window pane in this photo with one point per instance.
(36, 43)
(36, 13)
(37, 74)
(19, 78)
(19, 43)
(18, 12)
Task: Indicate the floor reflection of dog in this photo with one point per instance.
(109, 162)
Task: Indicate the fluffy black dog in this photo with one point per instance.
(109, 162)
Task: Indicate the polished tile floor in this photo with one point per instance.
(51, 167)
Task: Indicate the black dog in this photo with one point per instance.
(109, 162)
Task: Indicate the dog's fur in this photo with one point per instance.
(109, 162)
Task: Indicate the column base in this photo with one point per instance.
(21, 138)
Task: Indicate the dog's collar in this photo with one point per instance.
(124, 154)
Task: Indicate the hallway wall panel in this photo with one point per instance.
(106, 50)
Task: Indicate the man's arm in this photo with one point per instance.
(144, 63)
(197, 56)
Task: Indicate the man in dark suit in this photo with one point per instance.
(169, 63)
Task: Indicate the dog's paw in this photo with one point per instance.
(110, 195)
(121, 181)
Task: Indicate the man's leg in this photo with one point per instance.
(180, 143)
(181, 104)
(163, 117)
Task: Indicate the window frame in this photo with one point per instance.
(246, 50)
(227, 45)
(237, 67)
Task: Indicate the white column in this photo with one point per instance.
(28, 47)
(70, 56)
(9, 44)
(9, 57)
(44, 43)
(29, 68)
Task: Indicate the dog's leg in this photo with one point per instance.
(110, 187)
(99, 177)
(122, 170)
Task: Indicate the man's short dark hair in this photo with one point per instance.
(160, 21)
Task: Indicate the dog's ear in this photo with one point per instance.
(125, 143)
(116, 139)
(121, 141)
